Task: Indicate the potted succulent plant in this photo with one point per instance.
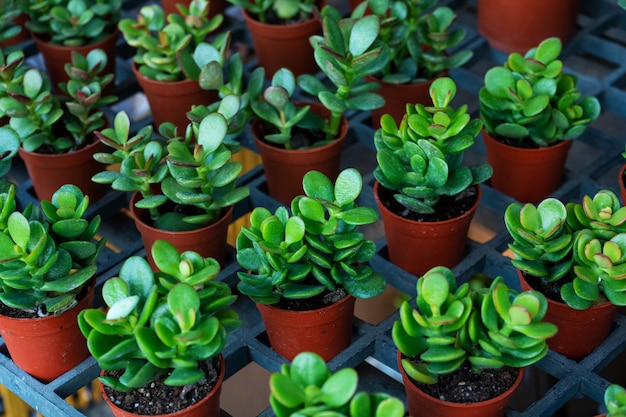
(12, 20)
(424, 193)
(307, 385)
(47, 276)
(62, 26)
(303, 270)
(572, 253)
(56, 130)
(171, 51)
(473, 329)
(279, 121)
(532, 110)
(184, 188)
(9, 146)
(614, 401)
(280, 32)
(162, 331)
(421, 38)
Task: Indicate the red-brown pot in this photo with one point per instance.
(48, 172)
(517, 26)
(422, 404)
(594, 323)
(325, 331)
(56, 56)
(171, 100)
(47, 347)
(528, 175)
(278, 46)
(621, 182)
(209, 406)
(284, 168)
(397, 96)
(208, 241)
(417, 246)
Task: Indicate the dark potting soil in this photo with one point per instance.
(36, 313)
(465, 386)
(526, 143)
(552, 290)
(158, 398)
(300, 138)
(448, 207)
(319, 301)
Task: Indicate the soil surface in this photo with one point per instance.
(300, 138)
(319, 301)
(158, 398)
(465, 386)
(448, 207)
(526, 142)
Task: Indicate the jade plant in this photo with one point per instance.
(475, 323)
(422, 159)
(347, 51)
(315, 249)
(174, 47)
(9, 10)
(47, 253)
(160, 323)
(9, 145)
(55, 123)
(308, 387)
(170, 171)
(579, 246)
(73, 22)
(530, 97)
(420, 38)
(615, 401)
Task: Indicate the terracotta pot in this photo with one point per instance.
(171, 100)
(23, 36)
(56, 56)
(621, 182)
(418, 246)
(397, 96)
(209, 406)
(278, 46)
(284, 168)
(528, 175)
(422, 404)
(47, 347)
(517, 26)
(48, 172)
(594, 323)
(325, 331)
(208, 241)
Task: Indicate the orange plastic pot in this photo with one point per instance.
(528, 175)
(208, 241)
(209, 406)
(325, 331)
(284, 46)
(48, 172)
(517, 26)
(594, 323)
(171, 100)
(47, 347)
(417, 246)
(422, 404)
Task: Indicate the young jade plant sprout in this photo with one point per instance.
(317, 248)
(195, 170)
(580, 244)
(48, 253)
(275, 11)
(422, 160)
(530, 97)
(308, 387)
(160, 322)
(488, 326)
